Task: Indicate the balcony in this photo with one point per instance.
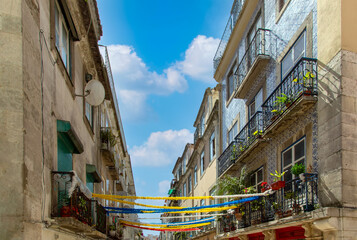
(255, 58)
(246, 140)
(297, 198)
(71, 208)
(198, 134)
(236, 10)
(108, 141)
(292, 97)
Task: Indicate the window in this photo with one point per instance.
(212, 147)
(251, 109)
(195, 176)
(254, 41)
(292, 155)
(230, 81)
(212, 193)
(107, 185)
(202, 203)
(281, 4)
(202, 162)
(62, 35)
(184, 164)
(184, 190)
(297, 51)
(256, 179)
(202, 123)
(189, 184)
(232, 133)
(89, 113)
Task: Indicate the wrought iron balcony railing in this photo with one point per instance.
(249, 133)
(100, 219)
(236, 10)
(258, 46)
(295, 198)
(301, 80)
(69, 204)
(75, 204)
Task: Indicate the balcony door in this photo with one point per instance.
(64, 155)
(253, 41)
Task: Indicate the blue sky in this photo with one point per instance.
(161, 54)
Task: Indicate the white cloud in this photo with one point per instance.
(133, 74)
(161, 148)
(135, 81)
(198, 62)
(164, 186)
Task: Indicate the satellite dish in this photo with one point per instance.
(94, 92)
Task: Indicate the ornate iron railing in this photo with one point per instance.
(66, 204)
(100, 217)
(237, 8)
(258, 46)
(295, 198)
(249, 133)
(107, 138)
(226, 159)
(301, 80)
(112, 88)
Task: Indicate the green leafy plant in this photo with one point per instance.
(307, 77)
(232, 185)
(283, 99)
(112, 228)
(258, 133)
(298, 168)
(107, 136)
(277, 176)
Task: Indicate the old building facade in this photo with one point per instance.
(56, 148)
(284, 102)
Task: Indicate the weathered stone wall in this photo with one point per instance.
(11, 121)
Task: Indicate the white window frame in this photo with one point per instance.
(189, 184)
(294, 58)
(195, 177)
(202, 162)
(212, 146)
(257, 184)
(293, 160)
(232, 132)
(62, 37)
(89, 113)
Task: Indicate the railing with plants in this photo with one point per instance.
(67, 204)
(108, 139)
(301, 80)
(296, 197)
(227, 158)
(258, 46)
(249, 133)
(104, 52)
(236, 9)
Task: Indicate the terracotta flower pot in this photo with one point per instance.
(277, 185)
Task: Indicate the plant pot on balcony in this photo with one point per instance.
(278, 185)
(66, 211)
(112, 233)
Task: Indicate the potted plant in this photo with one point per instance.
(264, 186)
(277, 182)
(258, 133)
(298, 170)
(112, 229)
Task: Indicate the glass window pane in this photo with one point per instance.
(299, 48)
(299, 150)
(260, 176)
(287, 158)
(286, 64)
(252, 180)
